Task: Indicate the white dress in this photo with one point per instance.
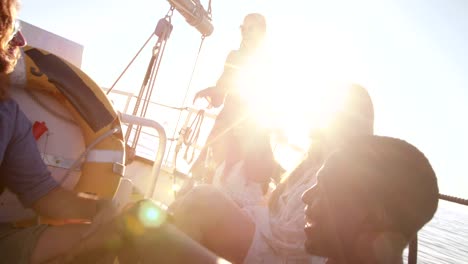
(236, 185)
(279, 237)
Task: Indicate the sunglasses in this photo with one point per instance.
(247, 28)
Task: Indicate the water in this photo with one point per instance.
(445, 238)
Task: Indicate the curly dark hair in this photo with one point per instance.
(395, 175)
(8, 56)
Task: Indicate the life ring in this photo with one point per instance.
(45, 77)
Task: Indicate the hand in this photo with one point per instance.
(95, 235)
(205, 93)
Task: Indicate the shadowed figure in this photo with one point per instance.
(227, 92)
(371, 198)
(270, 233)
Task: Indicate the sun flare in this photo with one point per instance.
(281, 95)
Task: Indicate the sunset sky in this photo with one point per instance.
(410, 54)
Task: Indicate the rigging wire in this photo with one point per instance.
(131, 62)
(453, 199)
(163, 31)
(209, 13)
(209, 10)
(146, 90)
(192, 133)
(168, 15)
(149, 92)
(187, 90)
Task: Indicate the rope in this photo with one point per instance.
(453, 199)
(179, 108)
(131, 62)
(188, 136)
(78, 161)
(171, 107)
(209, 9)
(169, 13)
(192, 133)
(155, 71)
(152, 82)
(188, 88)
(146, 88)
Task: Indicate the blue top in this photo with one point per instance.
(22, 169)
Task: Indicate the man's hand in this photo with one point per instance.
(106, 211)
(92, 243)
(210, 94)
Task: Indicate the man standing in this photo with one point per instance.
(227, 90)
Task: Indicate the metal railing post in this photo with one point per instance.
(130, 119)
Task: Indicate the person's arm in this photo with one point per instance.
(64, 204)
(25, 173)
(215, 94)
(228, 77)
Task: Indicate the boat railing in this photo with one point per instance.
(179, 155)
(161, 147)
(165, 115)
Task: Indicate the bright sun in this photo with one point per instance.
(286, 98)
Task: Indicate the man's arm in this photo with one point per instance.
(227, 78)
(24, 172)
(64, 204)
(216, 94)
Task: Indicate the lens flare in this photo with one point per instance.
(150, 215)
(222, 261)
(176, 187)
